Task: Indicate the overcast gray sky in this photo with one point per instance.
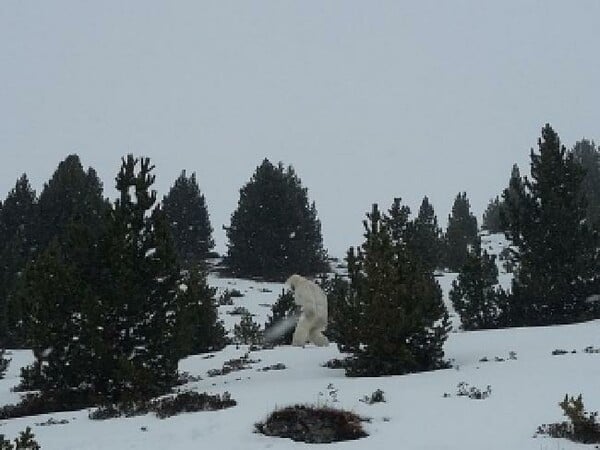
(368, 100)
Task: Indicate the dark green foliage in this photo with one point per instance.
(461, 232)
(582, 426)
(587, 155)
(4, 362)
(183, 402)
(513, 213)
(35, 404)
(190, 402)
(313, 424)
(138, 312)
(247, 331)
(344, 312)
(557, 249)
(71, 203)
(400, 302)
(227, 296)
(103, 303)
(25, 441)
(275, 231)
(71, 195)
(18, 244)
(585, 427)
(491, 216)
(199, 329)
(188, 218)
(57, 296)
(474, 294)
(425, 237)
(285, 314)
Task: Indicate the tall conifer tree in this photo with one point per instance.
(491, 217)
(401, 302)
(461, 232)
(18, 244)
(140, 297)
(425, 237)
(587, 155)
(71, 195)
(275, 231)
(557, 248)
(514, 211)
(185, 208)
(474, 294)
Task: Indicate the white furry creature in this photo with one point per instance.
(313, 318)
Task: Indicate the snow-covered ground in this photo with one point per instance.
(416, 415)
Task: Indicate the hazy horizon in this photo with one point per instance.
(368, 101)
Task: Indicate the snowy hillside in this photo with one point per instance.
(422, 411)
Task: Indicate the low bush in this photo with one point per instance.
(582, 426)
(591, 349)
(278, 366)
(464, 390)
(190, 402)
(239, 311)
(34, 404)
(337, 363)
(234, 365)
(166, 406)
(375, 397)
(226, 298)
(313, 424)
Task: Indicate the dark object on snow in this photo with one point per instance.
(278, 366)
(167, 406)
(317, 425)
(376, 397)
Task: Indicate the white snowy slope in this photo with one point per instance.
(524, 393)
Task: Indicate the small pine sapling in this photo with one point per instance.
(247, 331)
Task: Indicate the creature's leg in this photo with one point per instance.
(317, 337)
(301, 332)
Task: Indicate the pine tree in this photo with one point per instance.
(57, 294)
(344, 312)
(461, 232)
(514, 211)
(401, 302)
(136, 351)
(424, 238)
(474, 294)
(199, 329)
(557, 248)
(71, 195)
(247, 331)
(188, 218)
(26, 441)
(587, 155)
(491, 217)
(71, 200)
(104, 309)
(274, 231)
(18, 218)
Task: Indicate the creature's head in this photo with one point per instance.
(294, 281)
